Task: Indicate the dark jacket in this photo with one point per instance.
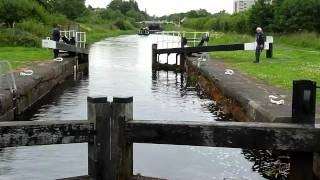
(260, 38)
(56, 34)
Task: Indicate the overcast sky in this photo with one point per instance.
(166, 7)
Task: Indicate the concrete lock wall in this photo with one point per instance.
(32, 88)
(244, 99)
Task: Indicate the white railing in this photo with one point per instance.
(172, 39)
(168, 39)
(194, 38)
(6, 68)
(80, 37)
(68, 34)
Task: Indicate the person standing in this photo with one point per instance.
(205, 38)
(260, 43)
(56, 37)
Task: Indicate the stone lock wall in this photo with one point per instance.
(32, 88)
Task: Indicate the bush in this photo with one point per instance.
(124, 25)
(16, 37)
(12, 11)
(34, 27)
(56, 18)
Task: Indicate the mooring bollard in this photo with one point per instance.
(154, 55)
(121, 150)
(98, 157)
(269, 52)
(303, 112)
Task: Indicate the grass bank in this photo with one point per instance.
(291, 61)
(19, 56)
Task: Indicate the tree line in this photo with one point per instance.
(278, 16)
(15, 11)
(25, 22)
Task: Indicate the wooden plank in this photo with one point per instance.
(78, 178)
(139, 177)
(229, 47)
(22, 133)
(292, 137)
(71, 48)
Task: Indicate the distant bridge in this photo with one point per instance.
(157, 22)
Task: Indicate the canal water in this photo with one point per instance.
(121, 66)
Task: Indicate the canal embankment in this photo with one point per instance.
(243, 97)
(247, 99)
(31, 87)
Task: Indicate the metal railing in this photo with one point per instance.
(6, 68)
(172, 39)
(168, 39)
(80, 37)
(195, 37)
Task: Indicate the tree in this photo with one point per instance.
(71, 8)
(262, 14)
(197, 13)
(47, 4)
(12, 11)
(124, 6)
(240, 22)
(130, 9)
(299, 15)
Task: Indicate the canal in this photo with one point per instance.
(121, 66)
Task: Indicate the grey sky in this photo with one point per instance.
(165, 7)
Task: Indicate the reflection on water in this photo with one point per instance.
(271, 164)
(122, 67)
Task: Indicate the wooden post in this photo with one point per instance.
(98, 154)
(154, 55)
(177, 59)
(182, 60)
(122, 151)
(86, 61)
(269, 52)
(303, 112)
(183, 41)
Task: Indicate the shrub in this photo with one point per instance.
(124, 25)
(34, 27)
(16, 37)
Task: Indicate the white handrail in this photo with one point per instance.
(10, 77)
(80, 37)
(166, 38)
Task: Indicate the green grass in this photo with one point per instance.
(19, 56)
(290, 62)
(305, 40)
